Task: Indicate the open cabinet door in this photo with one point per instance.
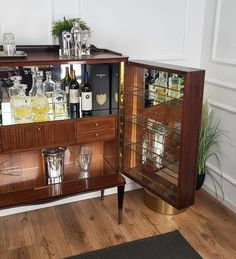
(161, 129)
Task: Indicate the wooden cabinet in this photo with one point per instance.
(161, 141)
(22, 178)
(155, 146)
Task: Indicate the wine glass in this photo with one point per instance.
(84, 160)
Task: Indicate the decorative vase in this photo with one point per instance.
(200, 180)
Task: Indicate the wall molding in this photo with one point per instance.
(222, 106)
(220, 83)
(214, 58)
(183, 56)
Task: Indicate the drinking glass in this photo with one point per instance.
(9, 47)
(84, 160)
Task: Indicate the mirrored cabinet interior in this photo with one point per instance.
(161, 129)
(144, 124)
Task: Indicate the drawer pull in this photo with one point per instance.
(96, 124)
(96, 134)
(39, 129)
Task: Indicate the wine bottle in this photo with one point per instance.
(149, 90)
(74, 96)
(65, 86)
(86, 97)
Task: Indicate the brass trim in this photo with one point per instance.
(121, 105)
(156, 204)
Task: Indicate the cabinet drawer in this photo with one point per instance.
(96, 123)
(98, 135)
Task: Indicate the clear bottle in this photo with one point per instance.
(86, 97)
(174, 86)
(76, 32)
(14, 91)
(22, 106)
(161, 87)
(59, 103)
(39, 101)
(49, 87)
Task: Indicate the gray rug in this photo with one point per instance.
(171, 245)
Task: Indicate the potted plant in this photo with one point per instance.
(209, 137)
(65, 25)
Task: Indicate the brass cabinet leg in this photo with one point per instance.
(102, 194)
(120, 202)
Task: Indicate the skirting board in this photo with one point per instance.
(130, 185)
(221, 200)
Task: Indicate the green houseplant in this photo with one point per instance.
(66, 25)
(209, 137)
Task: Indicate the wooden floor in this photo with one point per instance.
(83, 226)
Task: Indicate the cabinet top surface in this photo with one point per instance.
(46, 55)
(163, 66)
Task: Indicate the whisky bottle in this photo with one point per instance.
(74, 95)
(86, 97)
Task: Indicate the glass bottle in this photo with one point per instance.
(174, 86)
(149, 89)
(65, 83)
(86, 97)
(76, 32)
(14, 91)
(161, 87)
(49, 87)
(74, 96)
(22, 106)
(39, 101)
(59, 103)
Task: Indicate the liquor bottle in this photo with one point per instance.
(1, 102)
(49, 87)
(74, 95)
(149, 90)
(86, 97)
(174, 86)
(59, 103)
(161, 88)
(39, 101)
(65, 86)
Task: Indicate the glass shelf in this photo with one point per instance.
(171, 97)
(7, 117)
(168, 159)
(153, 125)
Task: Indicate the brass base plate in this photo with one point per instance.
(156, 204)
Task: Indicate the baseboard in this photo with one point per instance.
(220, 198)
(128, 187)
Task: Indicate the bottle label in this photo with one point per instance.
(67, 89)
(74, 95)
(152, 90)
(86, 101)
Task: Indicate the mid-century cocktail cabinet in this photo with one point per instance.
(149, 134)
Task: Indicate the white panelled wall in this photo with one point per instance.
(197, 33)
(219, 60)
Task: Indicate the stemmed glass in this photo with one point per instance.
(84, 160)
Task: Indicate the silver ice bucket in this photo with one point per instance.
(53, 164)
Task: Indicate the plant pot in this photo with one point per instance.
(200, 180)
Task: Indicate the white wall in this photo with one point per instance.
(31, 21)
(219, 60)
(153, 29)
